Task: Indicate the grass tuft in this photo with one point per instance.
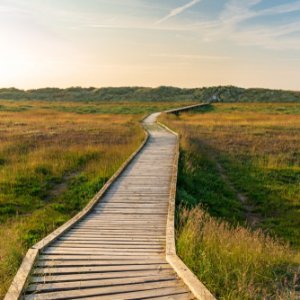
(235, 262)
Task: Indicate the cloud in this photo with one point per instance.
(192, 56)
(236, 11)
(228, 26)
(270, 38)
(177, 11)
(130, 26)
(281, 9)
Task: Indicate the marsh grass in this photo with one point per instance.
(258, 148)
(233, 261)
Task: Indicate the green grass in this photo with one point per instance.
(266, 108)
(198, 169)
(128, 108)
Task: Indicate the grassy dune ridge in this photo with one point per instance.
(145, 94)
(229, 150)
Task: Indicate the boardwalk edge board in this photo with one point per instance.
(19, 283)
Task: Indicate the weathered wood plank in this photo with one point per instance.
(92, 269)
(105, 242)
(84, 246)
(53, 250)
(64, 257)
(74, 285)
(96, 276)
(167, 293)
(172, 285)
(96, 262)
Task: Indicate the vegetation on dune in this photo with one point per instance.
(163, 93)
(240, 162)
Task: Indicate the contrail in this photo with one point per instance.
(178, 10)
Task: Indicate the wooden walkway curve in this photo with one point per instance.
(117, 250)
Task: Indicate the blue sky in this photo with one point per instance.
(188, 43)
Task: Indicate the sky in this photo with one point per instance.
(184, 43)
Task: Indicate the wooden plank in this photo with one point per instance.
(96, 262)
(73, 285)
(64, 257)
(96, 276)
(116, 239)
(178, 296)
(124, 222)
(142, 232)
(97, 216)
(96, 269)
(105, 242)
(84, 246)
(172, 286)
(114, 234)
(129, 224)
(60, 250)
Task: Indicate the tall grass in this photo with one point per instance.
(257, 147)
(233, 261)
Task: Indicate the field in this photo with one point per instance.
(238, 198)
(53, 158)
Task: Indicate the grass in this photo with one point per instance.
(235, 262)
(53, 158)
(130, 108)
(240, 162)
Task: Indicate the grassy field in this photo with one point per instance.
(238, 198)
(130, 108)
(53, 158)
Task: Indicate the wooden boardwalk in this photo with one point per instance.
(117, 251)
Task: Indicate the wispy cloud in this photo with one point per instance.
(229, 26)
(177, 11)
(236, 11)
(192, 56)
(131, 26)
